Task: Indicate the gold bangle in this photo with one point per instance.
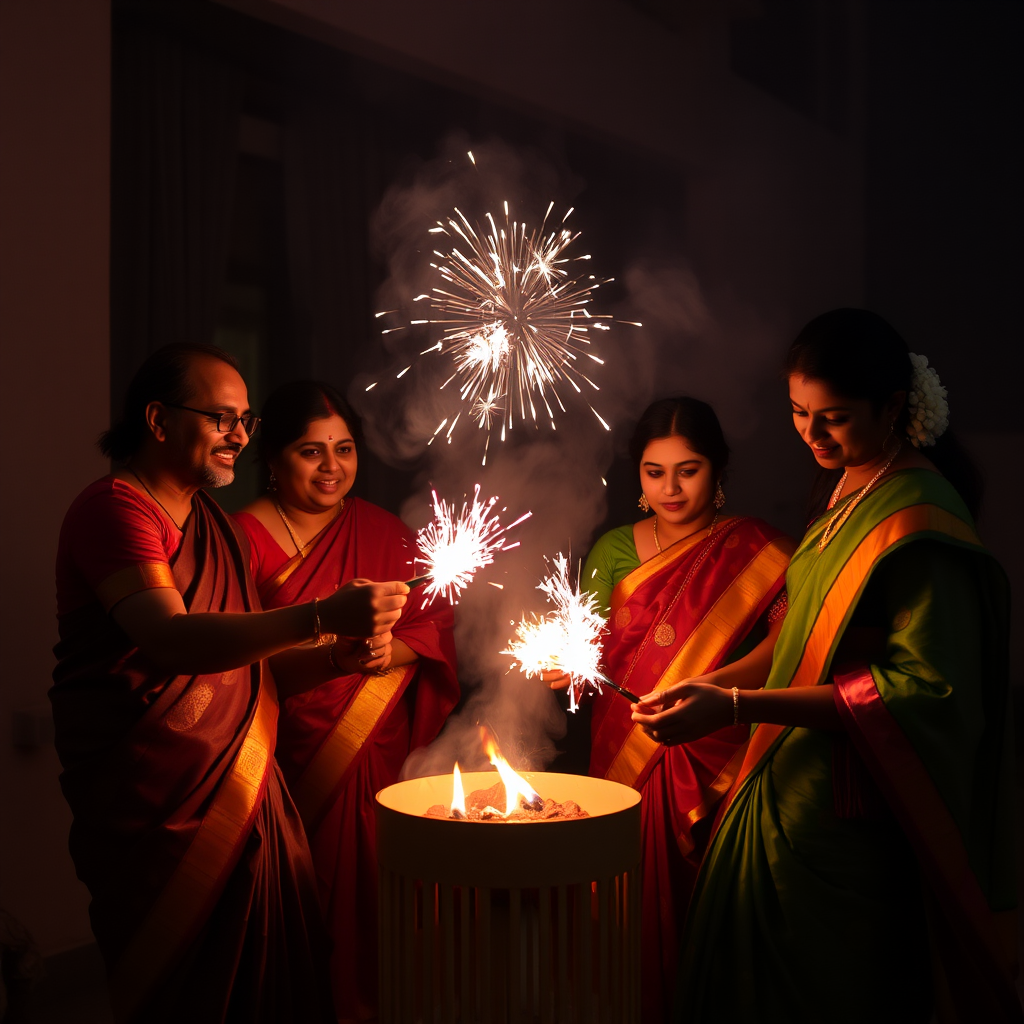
(330, 656)
(735, 706)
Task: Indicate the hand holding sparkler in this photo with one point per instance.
(458, 544)
(361, 608)
(566, 639)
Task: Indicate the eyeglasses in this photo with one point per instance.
(226, 421)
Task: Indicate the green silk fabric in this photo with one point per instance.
(803, 912)
(612, 558)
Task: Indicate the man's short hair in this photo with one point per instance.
(163, 377)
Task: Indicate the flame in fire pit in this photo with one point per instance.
(458, 797)
(515, 785)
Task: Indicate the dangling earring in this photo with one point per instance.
(643, 504)
(719, 496)
(272, 485)
(885, 443)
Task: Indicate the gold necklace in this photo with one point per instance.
(299, 548)
(836, 522)
(658, 546)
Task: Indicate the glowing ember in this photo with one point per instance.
(456, 545)
(567, 639)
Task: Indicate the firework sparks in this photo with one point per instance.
(512, 304)
(514, 315)
(457, 544)
(566, 639)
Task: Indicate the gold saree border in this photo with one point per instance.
(628, 585)
(317, 786)
(708, 640)
(843, 592)
(300, 556)
(182, 906)
(133, 580)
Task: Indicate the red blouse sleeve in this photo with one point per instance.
(114, 543)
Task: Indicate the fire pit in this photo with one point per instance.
(504, 921)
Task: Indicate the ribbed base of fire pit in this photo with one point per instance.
(499, 922)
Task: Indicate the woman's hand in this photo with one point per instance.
(359, 656)
(555, 678)
(363, 608)
(684, 712)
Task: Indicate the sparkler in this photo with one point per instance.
(566, 639)
(512, 304)
(457, 544)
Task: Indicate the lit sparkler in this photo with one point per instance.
(457, 544)
(566, 639)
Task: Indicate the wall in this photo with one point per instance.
(54, 212)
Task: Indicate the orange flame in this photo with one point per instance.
(515, 785)
(458, 797)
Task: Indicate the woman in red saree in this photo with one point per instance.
(341, 742)
(690, 591)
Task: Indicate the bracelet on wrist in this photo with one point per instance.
(330, 655)
(316, 621)
(735, 705)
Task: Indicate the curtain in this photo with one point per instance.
(176, 110)
(327, 245)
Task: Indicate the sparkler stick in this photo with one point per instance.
(628, 694)
(418, 581)
(458, 544)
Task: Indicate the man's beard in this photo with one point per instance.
(218, 476)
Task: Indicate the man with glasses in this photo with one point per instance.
(203, 894)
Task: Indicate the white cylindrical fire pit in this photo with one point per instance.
(495, 921)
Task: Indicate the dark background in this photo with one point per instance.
(213, 172)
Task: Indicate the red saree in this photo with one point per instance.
(342, 742)
(681, 614)
(203, 897)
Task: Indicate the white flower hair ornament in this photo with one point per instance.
(926, 404)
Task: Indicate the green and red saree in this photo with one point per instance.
(869, 874)
(683, 613)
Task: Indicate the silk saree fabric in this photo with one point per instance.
(869, 874)
(683, 613)
(342, 742)
(204, 902)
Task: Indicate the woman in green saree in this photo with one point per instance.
(862, 864)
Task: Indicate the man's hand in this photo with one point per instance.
(363, 608)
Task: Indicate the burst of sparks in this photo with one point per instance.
(514, 317)
(566, 639)
(458, 543)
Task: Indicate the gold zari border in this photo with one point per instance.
(317, 785)
(132, 580)
(626, 587)
(843, 592)
(180, 908)
(706, 643)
